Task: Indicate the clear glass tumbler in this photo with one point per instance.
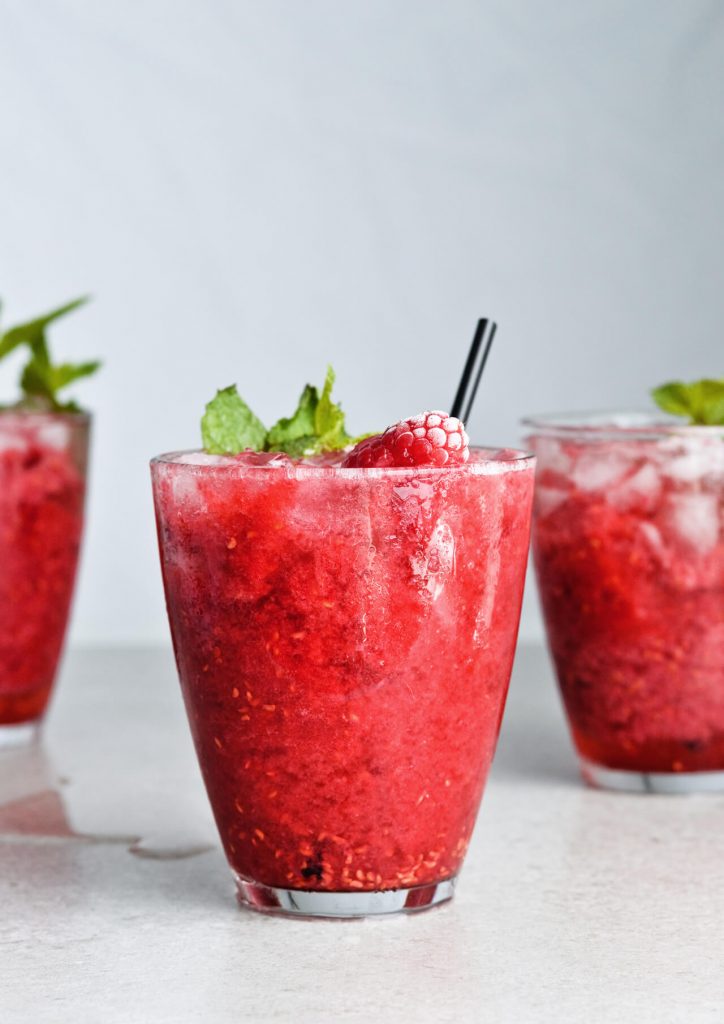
(344, 640)
(43, 460)
(629, 553)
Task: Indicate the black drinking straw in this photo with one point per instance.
(473, 371)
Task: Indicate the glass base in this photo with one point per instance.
(301, 903)
(651, 782)
(19, 734)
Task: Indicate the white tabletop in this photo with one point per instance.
(117, 906)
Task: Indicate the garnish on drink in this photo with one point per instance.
(41, 380)
(701, 401)
(318, 427)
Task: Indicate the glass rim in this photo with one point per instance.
(519, 459)
(79, 416)
(616, 425)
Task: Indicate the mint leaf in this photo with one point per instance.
(229, 426)
(41, 380)
(316, 426)
(672, 398)
(32, 333)
(297, 428)
(702, 401)
(329, 418)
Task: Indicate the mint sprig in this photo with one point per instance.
(41, 379)
(702, 401)
(317, 425)
(229, 425)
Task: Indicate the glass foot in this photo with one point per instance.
(652, 782)
(298, 902)
(19, 734)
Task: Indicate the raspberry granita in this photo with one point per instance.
(629, 552)
(42, 488)
(344, 638)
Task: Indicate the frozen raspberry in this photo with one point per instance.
(431, 439)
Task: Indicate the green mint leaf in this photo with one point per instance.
(299, 427)
(35, 379)
(229, 426)
(40, 380)
(65, 373)
(298, 447)
(672, 398)
(329, 418)
(32, 333)
(316, 426)
(702, 401)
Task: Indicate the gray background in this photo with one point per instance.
(251, 190)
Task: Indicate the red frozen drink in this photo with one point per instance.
(344, 638)
(629, 552)
(42, 487)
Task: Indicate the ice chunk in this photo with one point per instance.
(431, 567)
(273, 460)
(598, 469)
(694, 518)
(641, 490)
(185, 487)
(653, 536)
(698, 460)
(54, 434)
(547, 499)
(201, 459)
(550, 455)
(10, 440)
